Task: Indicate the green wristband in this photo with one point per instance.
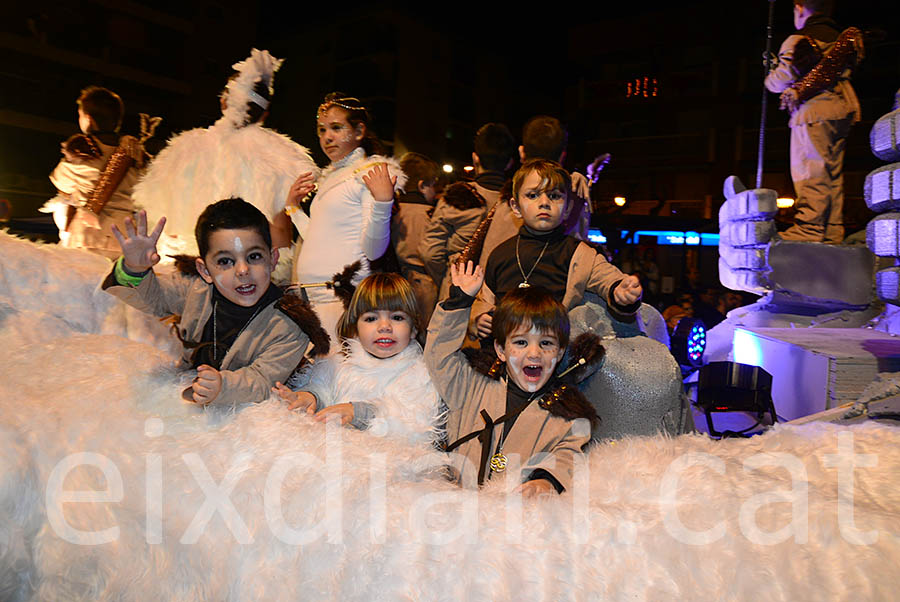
(124, 278)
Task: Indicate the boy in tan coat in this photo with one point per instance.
(543, 254)
(525, 421)
(240, 331)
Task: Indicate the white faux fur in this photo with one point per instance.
(202, 166)
(343, 170)
(615, 535)
(406, 403)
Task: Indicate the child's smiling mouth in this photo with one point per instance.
(533, 371)
(246, 289)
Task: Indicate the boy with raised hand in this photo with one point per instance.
(542, 254)
(240, 331)
(525, 419)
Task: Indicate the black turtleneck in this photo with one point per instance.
(230, 320)
(502, 273)
(415, 197)
(492, 180)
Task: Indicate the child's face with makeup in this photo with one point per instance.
(531, 356)
(540, 207)
(337, 137)
(239, 264)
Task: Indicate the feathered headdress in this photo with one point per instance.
(259, 66)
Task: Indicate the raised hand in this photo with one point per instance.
(469, 277)
(138, 247)
(301, 187)
(380, 183)
(628, 291)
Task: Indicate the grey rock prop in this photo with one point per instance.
(638, 389)
(885, 136)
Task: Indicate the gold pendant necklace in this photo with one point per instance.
(525, 277)
(499, 460)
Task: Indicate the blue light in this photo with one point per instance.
(596, 236)
(746, 348)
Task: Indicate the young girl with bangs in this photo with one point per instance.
(379, 379)
(350, 215)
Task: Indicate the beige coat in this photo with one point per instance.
(267, 350)
(447, 234)
(538, 439)
(588, 271)
(408, 228)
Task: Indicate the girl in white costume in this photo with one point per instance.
(235, 157)
(350, 215)
(379, 380)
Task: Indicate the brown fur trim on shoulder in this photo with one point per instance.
(186, 265)
(567, 402)
(484, 362)
(80, 147)
(342, 284)
(587, 346)
(462, 196)
(301, 312)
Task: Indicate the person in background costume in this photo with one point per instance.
(93, 191)
(819, 126)
(350, 215)
(235, 157)
(239, 330)
(414, 208)
(465, 204)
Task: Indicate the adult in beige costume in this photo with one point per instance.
(819, 126)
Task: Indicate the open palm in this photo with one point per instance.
(138, 247)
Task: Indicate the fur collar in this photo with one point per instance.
(406, 402)
(462, 196)
(356, 165)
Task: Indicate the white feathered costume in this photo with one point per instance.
(399, 390)
(228, 159)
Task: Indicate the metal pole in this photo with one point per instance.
(765, 98)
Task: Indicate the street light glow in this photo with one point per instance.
(784, 202)
(448, 168)
(619, 200)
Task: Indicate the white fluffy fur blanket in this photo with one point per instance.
(257, 503)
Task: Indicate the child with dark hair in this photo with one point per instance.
(457, 215)
(350, 215)
(240, 331)
(235, 157)
(82, 220)
(525, 415)
(379, 379)
(542, 254)
(408, 224)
